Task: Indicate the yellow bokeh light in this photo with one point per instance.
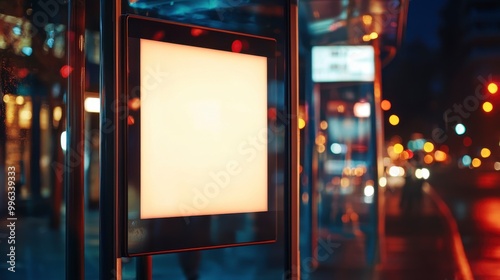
(487, 107)
(476, 162)
(439, 156)
(394, 120)
(428, 159)
(19, 100)
(385, 105)
(344, 182)
(323, 125)
(366, 38)
(492, 88)
(57, 114)
(6, 98)
(373, 35)
(485, 152)
(428, 147)
(391, 153)
(321, 148)
(367, 19)
(398, 148)
(302, 123)
(25, 115)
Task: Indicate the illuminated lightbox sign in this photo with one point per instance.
(197, 135)
(343, 64)
(195, 125)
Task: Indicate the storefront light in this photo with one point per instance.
(92, 104)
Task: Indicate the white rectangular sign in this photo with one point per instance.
(203, 131)
(343, 64)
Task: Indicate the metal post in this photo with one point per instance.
(379, 144)
(75, 143)
(292, 203)
(144, 268)
(109, 262)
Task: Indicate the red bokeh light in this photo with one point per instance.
(445, 149)
(66, 71)
(22, 73)
(467, 141)
(271, 114)
(130, 120)
(237, 46)
(195, 32)
(159, 35)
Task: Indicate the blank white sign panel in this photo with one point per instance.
(203, 131)
(343, 63)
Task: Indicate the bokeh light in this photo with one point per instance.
(65, 71)
(428, 147)
(336, 148)
(467, 141)
(439, 156)
(398, 148)
(476, 162)
(63, 140)
(395, 171)
(323, 125)
(444, 148)
(460, 129)
(236, 46)
(385, 105)
(406, 154)
(320, 139)
(423, 173)
(19, 100)
(302, 123)
(394, 120)
(497, 166)
(428, 159)
(485, 152)
(369, 190)
(320, 148)
(134, 104)
(466, 160)
(487, 107)
(382, 182)
(367, 19)
(57, 114)
(492, 88)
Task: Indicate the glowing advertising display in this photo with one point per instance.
(197, 135)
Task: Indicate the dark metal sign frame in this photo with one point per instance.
(175, 234)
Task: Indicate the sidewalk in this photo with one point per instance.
(419, 245)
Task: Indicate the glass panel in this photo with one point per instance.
(338, 181)
(249, 262)
(33, 81)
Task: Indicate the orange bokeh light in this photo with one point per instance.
(385, 105)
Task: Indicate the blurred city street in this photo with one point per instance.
(474, 200)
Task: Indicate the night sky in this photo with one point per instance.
(423, 22)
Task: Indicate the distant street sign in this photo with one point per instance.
(343, 63)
